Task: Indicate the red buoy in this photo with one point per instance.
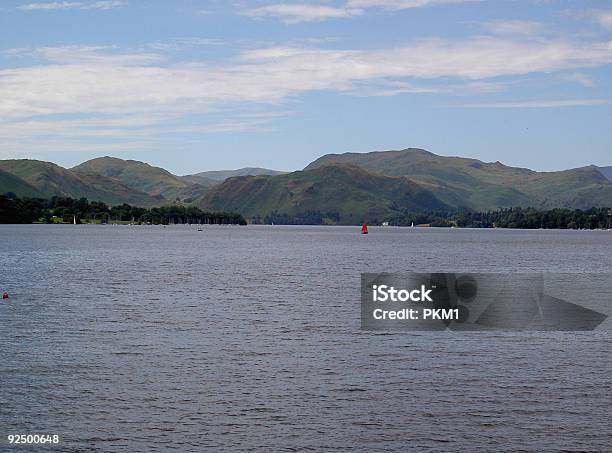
(5, 296)
(364, 229)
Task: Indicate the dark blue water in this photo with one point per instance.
(141, 339)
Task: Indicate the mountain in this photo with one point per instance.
(52, 180)
(143, 177)
(16, 185)
(471, 183)
(201, 180)
(339, 188)
(345, 194)
(606, 171)
(222, 175)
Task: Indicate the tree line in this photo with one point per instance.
(560, 218)
(518, 217)
(66, 210)
(303, 218)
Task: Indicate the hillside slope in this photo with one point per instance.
(606, 171)
(463, 182)
(200, 180)
(16, 185)
(52, 180)
(346, 194)
(142, 177)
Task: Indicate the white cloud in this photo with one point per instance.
(401, 4)
(604, 18)
(514, 27)
(541, 104)
(101, 80)
(32, 137)
(102, 5)
(98, 55)
(51, 5)
(141, 95)
(178, 43)
(35, 149)
(294, 13)
(390, 88)
(105, 4)
(580, 78)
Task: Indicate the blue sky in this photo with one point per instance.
(201, 85)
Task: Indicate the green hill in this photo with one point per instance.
(340, 188)
(16, 185)
(52, 180)
(345, 194)
(143, 177)
(463, 182)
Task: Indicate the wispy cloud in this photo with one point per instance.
(292, 13)
(120, 132)
(102, 5)
(541, 104)
(604, 18)
(95, 55)
(580, 78)
(178, 43)
(401, 4)
(514, 27)
(104, 76)
(390, 88)
(104, 80)
(50, 5)
(129, 95)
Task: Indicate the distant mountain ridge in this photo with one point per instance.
(342, 193)
(109, 179)
(336, 188)
(222, 175)
(473, 184)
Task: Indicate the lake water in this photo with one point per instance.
(142, 339)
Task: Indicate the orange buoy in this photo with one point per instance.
(5, 296)
(364, 229)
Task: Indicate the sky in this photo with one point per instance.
(194, 85)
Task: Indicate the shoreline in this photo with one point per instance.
(376, 227)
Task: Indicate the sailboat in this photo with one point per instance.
(364, 229)
(412, 226)
(74, 220)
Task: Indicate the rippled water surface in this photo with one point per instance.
(141, 339)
